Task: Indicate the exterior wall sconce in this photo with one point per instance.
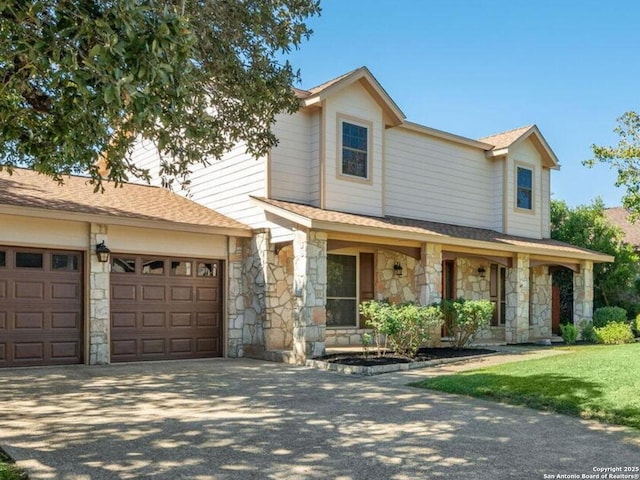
(102, 252)
(482, 272)
(398, 269)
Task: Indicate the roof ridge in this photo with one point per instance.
(524, 127)
(327, 83)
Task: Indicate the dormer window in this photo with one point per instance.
(524, 193)
(355, 150)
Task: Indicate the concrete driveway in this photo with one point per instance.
(245, 419)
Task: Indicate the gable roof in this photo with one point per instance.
(317, 94)
(619, 216)
(504, 141)
(424, 231)
(28, 192)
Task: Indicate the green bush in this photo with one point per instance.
(404, 326)
(605, 315)
(614, 333)
(569, 333)
(636, 325)
(469, 317)
(587, 332)
(9, 471)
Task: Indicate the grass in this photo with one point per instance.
(8, 470)
(596, 382)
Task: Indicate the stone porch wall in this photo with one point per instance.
(99, 305)
(540, 296)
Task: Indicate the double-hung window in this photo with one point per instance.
(524, 192)
(355, 150)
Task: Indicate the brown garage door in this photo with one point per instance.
(40, 307)
(165, 308)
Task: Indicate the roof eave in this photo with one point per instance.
(451, 137)
(421, 237)
(37, 212)
(373, 87)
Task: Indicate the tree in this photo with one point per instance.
(625, 158)
(86, 78)
(586, 226)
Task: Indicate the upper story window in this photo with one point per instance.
(524, 192)
(355, 150)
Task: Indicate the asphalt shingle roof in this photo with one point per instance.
(444, 230)
(26, 188)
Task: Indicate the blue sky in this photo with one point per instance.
(478, 67)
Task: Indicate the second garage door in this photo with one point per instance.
(165, 308)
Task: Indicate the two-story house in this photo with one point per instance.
(271, 256)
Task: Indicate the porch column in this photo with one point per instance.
(236, 296)
(429, 281)
(517, 299)
(540, 293)
(583, 293)
(99, 309)
(310, 293)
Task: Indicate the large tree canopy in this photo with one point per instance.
(587, 226)
(85, 78)
(625, 158)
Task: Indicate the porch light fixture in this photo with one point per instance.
(102, 252)
(482, 272)
(398, 269)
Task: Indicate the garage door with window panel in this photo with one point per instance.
(41, 307)
(165, 308)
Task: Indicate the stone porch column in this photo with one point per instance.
(517, 297)
(583, 293)
(310, 293)
(99, 285)
(429, 283)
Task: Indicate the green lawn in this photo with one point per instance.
(10, 472)
(599, 382)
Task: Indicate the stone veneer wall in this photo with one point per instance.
(250, 306)
(471, 286)
(540, 296)
(237, 299)
(310, 294)
(99, 274)
(583, 293)
(279, 301)
(517, 295)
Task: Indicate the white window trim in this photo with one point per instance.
(532, 210)
(342, 118)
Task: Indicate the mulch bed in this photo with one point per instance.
(424, 354)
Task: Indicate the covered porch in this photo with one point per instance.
(318, 266)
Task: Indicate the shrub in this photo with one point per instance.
(449, 313)
(569, 333)
(470, 316)
(636, 325)
(605, 315)
(587, 332)
(614, 333)
(405, 326)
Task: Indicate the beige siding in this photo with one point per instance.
(42, 232)
(145, 155)
(432, 179)
(290, 162)
(341, 193)
(224, 185)
(521, 222)
(497, 168)
(161, 242)
(314, 145)
(546, 203)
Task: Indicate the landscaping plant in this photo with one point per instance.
(636, 325)
(587, 332)
(468, 317)
(605, 315)
(569, 333)
(404, 326)
(614, 333)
